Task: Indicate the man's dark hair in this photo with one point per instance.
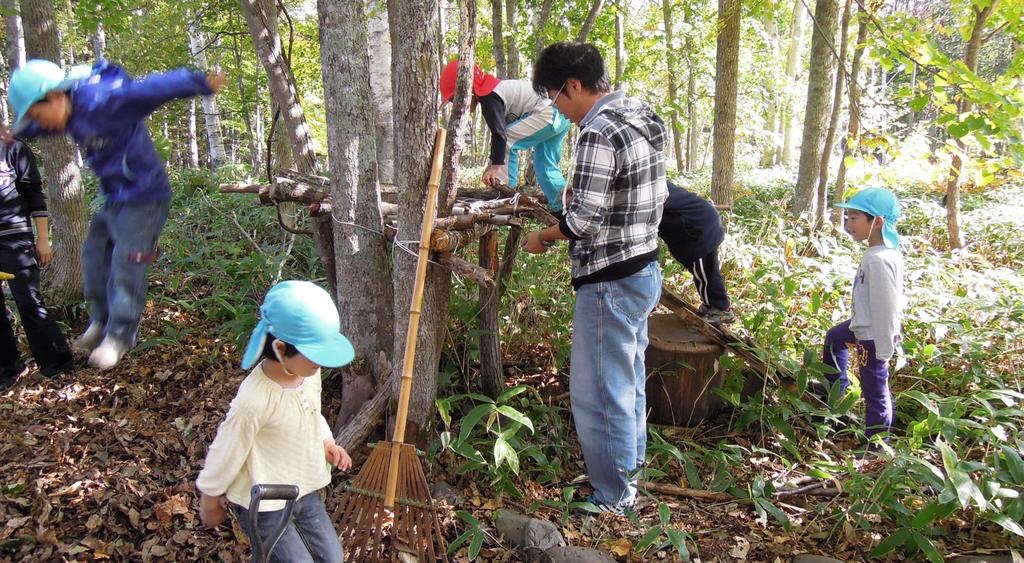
(559, 62)
(268, 348)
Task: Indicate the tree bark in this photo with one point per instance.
(691, 101)
(673, 91)
(193, 142)
(723, 165)
(791, 124)
(99, 42)
(492, 376)
(379, 49)
(774, 144)
(14, 34)
(620, 44)
(364, 302)
(819, 85)
(459, 120)
(214, 135)
(414, 44)
(511, 49)
(69, 218)
(824, 201)
(282, 89)
(540, 22)
(971, 51)
(853, 124)
(497, 37)
(595, 10)
(250, 132)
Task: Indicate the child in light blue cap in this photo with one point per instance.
(274, 431)
(874, 328)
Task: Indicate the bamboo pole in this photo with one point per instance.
(414, 318)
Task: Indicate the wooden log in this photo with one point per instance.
(442, 240)
(283, 189)
(354, 434)
(682, 373)
(492, 379)
(699, 494)
(464, 269)
(487, 192)
(508, 258)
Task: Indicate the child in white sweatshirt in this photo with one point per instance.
(274, 431)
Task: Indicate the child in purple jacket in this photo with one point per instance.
(104, 111)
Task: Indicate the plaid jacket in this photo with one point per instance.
(618, 187)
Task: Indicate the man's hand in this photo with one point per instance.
(534, 244)
(44, 252)
(212, 510)
(216, 79)
(494, 174)
(336, 455)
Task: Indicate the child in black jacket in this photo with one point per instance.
(22, 203)
(692, 230)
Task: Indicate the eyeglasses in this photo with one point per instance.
(557, 94)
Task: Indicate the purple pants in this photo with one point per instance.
(874, 375)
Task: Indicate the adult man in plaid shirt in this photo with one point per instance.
(611, 220)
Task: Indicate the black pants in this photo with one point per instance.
(48, 345)
(707, 276)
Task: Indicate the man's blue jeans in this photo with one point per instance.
(607, 380)
(119, 247)
(309, 536)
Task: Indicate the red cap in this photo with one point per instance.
(483, 83)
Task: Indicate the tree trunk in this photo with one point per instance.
(853, 98)
(459, 121)
(14, 35)
(824, 201)
(691, 101)
(250, 134)
(69, 218)
(771, 114)
(971, 51)
(511, 49)
(214, 136)
(723, 164)
(99, 42)
(492, 377)
(361, 253)
(620, 44)
(673, 91)
(193, 143)
(282, 90)
(819, 85)
(380, 87)
(791, 124)
(539, 23)
(497, 37)
(414, 44)
(595, 10)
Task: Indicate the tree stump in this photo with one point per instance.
(682, 373)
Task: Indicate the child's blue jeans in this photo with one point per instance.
(607, 380)
(309, 536)
(874, 375)
(119, 247)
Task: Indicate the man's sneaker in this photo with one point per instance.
(108, 353)
(89, 339)
(716, 316)
(592, 507)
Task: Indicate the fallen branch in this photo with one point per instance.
(465, 269)
(354, 434)
(699, 494)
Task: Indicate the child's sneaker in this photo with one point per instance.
(716, 316)
(9, 376)
(88, 340)
(107, 354)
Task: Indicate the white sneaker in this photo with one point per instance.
(107, 354)
(88, 340)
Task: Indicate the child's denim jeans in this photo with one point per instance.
(607, 380)
(310, 536)
(118, 250)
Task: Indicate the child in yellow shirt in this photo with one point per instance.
(274, 431)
